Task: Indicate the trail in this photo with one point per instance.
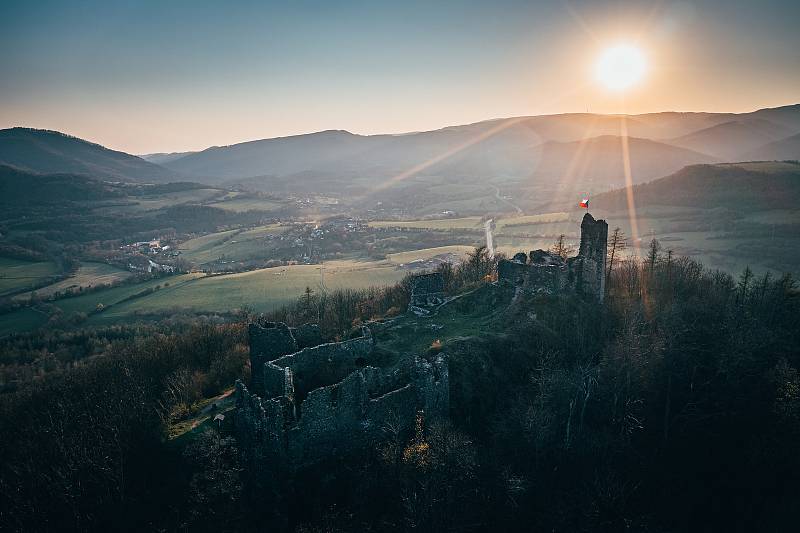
(499, 197)
(489, 227)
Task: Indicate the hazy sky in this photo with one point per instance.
(169, 75)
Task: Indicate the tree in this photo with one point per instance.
(308, 312)
(479, 264)
(561, 248)
(653, 255)
(617, 244)
(744, 283)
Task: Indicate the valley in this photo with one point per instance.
(112, 238)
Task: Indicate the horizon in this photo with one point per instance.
(400, 133)
(186, 76)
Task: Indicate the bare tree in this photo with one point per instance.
(616, 245)
(561, 248)
(653, 255)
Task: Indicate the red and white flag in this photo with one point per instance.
(585, 202)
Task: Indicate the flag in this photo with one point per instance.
(585, 202)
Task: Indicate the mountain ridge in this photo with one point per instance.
(48, 151)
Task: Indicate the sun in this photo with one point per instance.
(620, 67)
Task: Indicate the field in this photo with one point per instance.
(261, 290)
(163, 200)
(88, 275)
(717, 236)
(402, 258)
(247, 203)
(16, 274)
(25, 319)
(107, 298)
(502, 225)
(232, 245)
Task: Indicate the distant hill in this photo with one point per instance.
(46, 151)
(537, 150)
(599, 161)
(730, 141)
(743, 186)
(788, 148)
(788, 115)
(162, 157)
(499, 147)
(494, 148)
(22, 187)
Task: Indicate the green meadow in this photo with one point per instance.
(16, 274)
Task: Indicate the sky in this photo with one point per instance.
(162, 76)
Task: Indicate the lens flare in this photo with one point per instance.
(620, 67)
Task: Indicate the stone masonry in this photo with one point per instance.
(318, 402)
(543, 271)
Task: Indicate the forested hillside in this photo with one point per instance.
(742, 186)
(565, 415)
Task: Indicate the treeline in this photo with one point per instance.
(84, 449)
(672, 406)
(758, 186)
(338, 311)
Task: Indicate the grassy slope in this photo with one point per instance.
(233, 244)
(88, 275)
(247, 204)
(262, 289)
(474, 223)
(21, 320)
(16, 274)
(86, 303)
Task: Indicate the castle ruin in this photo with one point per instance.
(312, 401)
(543, 271)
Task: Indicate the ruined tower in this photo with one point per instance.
(546, 272)
(591, 260)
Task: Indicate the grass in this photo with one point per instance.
(470, 315)
(233, 245)
(242, 204)
(86, 303)
(25, 319)
(261, 290)
(402, 258)
(545, 218)
(200, 249)
(161, 201)
(16, 274)
(474, 223)
(88, 275)
(203, 415)
(435, 224)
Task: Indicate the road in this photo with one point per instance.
(506, 201)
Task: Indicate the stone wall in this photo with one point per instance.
(338, 419)
(307, 335)
(322, 401)
(328, 363)
(427, 289)
(546, 272)
(268, 341)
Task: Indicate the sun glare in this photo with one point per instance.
(620, 67)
